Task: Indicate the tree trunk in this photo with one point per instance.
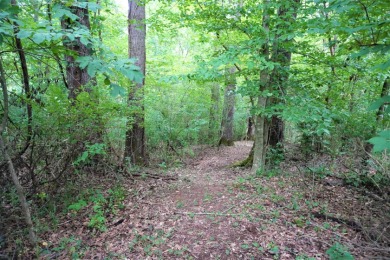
(250, 131)
(214, 112)
(276, 131)
(280, 76)
(19, 189)
(228, 109)
(27, 91)
(135, 149)
(261, 124)
(385, 92)
(76, 76)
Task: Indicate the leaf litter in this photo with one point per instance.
(213, 211)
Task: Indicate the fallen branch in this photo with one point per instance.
(347, 222)
(208, 213)
(152, 176)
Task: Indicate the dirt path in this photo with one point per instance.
(217, 212)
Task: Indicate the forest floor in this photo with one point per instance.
(214, 211)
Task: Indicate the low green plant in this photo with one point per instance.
(304, 257)
(275, 156)
(179, 204)
(72, 245)
(89, 153)
(339, 252)
(77, 205)
(101, 205)
(320, 171)
(207, 197)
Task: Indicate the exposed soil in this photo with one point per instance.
(214, 211)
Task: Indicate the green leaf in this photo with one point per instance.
(107, 81)
(60, 11)
(5, 4)
(91, 6)
(40, 37)
(117, 90)
(378, 103)
(23, 34)
(385, 134)
(339, 252)
(381, 142)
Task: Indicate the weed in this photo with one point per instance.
(273, 249)
(257, 245)
(339, 252)
(72, 245)
(207, 197)
(299, 222)
(320, 171)
(311, 204)
(277, 198)
(326, 225)
(304, 257)
(295, 205)
(179, 204)
(245, 246)
(148, 243)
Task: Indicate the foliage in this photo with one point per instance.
(339, 252)
(381, 142)
(101, 204)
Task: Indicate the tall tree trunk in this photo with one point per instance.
(261, 122)
(280, 76)
(19, 189)
(228, 108)
(76, 76)
(27, 91)
(214, 112)
(135, 149)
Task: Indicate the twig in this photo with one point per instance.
(208, 213)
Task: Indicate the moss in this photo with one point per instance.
(225, 142)
(245, 163)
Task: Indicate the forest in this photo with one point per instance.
(195, 129)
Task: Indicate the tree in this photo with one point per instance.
(22, 197)
(261, 122)
(75, 74)
(228, 108)
(214, 110)
(135, 148)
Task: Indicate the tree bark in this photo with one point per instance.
(76, 76)
(214, 112)
(261, 124)
(250, 131)
(27, 91)
(135, 148)
(385, 92)
(228, 108)
(280, 76)
(19, 189)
